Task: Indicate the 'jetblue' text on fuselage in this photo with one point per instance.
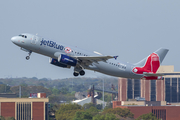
(51, 44)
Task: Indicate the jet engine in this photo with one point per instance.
(64, 59)
(55, 62)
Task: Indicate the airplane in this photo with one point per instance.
(65, 56)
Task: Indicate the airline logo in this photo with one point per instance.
(51, 44)
(151, 66)
(68, 50)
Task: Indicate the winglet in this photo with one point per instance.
(115, 57)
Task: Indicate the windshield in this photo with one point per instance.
(24, 36)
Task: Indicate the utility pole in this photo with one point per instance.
(5, 88)
(103, 93)
(19, 91)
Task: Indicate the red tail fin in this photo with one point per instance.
(152, 64)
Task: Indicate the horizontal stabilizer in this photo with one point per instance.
(152, 74)
(115, 57)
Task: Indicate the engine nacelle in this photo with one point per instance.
(64, 59)
(55, 62)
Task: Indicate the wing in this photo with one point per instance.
(88, 60)
(93, 58)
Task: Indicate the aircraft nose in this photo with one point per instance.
(14, 39)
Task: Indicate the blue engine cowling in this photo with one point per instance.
(55, 62)
(64, 59)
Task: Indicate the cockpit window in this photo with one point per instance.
(24, 36)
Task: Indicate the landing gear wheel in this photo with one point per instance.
(82, 72)
(75, 74)
(27, 57)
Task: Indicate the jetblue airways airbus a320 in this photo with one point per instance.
(63, 55)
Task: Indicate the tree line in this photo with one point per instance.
(56, 90)
(90, 111)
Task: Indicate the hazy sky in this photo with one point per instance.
(132, 29)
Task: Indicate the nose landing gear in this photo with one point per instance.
(28, 57)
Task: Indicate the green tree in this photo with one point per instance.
(61, 97)
(108, 116)
(82, 115)
(108, 105)
(119, 111)
(4, 88)
(88, 105)
(92, 110)
(53, 109)
(64, 90)
(67, 111)
(2, 118)
(55, 91)
(10, 118)
(99, 106)
(149, 116)
(26, 90)
(24, 84)
(73, 92)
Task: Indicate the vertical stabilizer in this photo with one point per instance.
(151, 63)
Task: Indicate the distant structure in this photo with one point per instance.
(166, 112)
(37, 95)
(8, 95)
(152, 90)
(25, 108)
(80, 95)
(160, 97)
(90, 98)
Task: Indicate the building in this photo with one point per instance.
(152, 90)
(161, 97)
(25, 108)
(161, 112)
(8, 95)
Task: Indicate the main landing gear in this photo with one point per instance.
(28, 57)
(81, 73)
(75, 74)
